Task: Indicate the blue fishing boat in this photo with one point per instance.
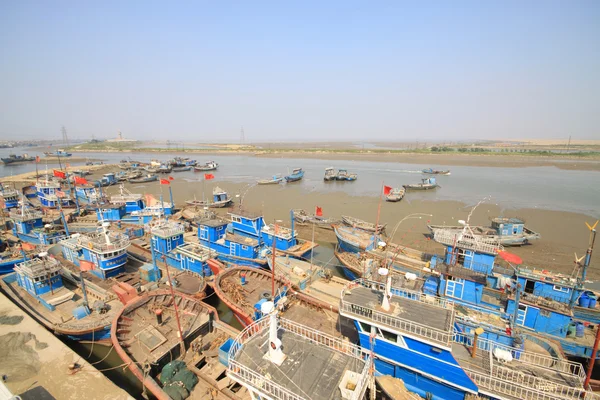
(106, 180)
(37, 286)
(426, 184)
(432, 171)
(344, 175)
(28, 226)
(10, 196)
(104, 251)
(507, 231)
(57, 153)
(247, 238)
(13, 158)
(51, 195)
(9, 256)
(296, 175)
(88, 194)
(354, 240)
(130, 207)
(412, 337)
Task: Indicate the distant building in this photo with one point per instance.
(121, 139)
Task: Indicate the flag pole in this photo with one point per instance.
(379, 209)
(313, 244)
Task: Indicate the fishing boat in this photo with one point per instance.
(415, 339)
(220, 199)
(362, 225)
(395, 195)
(144, 179)
(37, 286)
(435, 171)
(356, 265)
(51, 195)
(296, 175)
(354, 240)
(164, 169)
(426, 184)
(189, 362)
(193, 214)
(10, 196)
(108, 179)
(183, 169)
(57, 153)
(13, 158)
(298, 363)
(209, 166)
(153, 169)
(272, 181)
(11, 254)
(29, 227)
(507, 231)
(330, 174)
(344, 175)
(302, 217)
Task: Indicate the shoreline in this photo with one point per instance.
(509, 160)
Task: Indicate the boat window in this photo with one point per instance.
(561, 289)
(244, 247)
(236, 219)
(392, 337)
(365, 327)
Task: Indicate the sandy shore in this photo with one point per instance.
(29, 177)
(563, 233)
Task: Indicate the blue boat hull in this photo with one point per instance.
(349, 274)
(102, 334)
(8, 266)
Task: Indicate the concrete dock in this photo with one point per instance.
(35, 364)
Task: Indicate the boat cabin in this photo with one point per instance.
(10, 197)
(28, 226)
(132, 201)
(508, 226)
(50, 194)
(284, 237)
(39, 277)
(87, 193)
(220, 236)
(103, 253)
(247, 224)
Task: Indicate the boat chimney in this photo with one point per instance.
(385, 304)
(275, 355)
(159, 318)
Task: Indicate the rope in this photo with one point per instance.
(92, 348)
(105, 357)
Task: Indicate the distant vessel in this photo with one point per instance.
(435, 171)
(396, 194)
(330, 174)
(144, 179)
(296, 175)
(507, 231)
(273, 181)
(209, 166)
(220, 199)
(344, 175)
(426, 184)
(17, 159)
(57, 153)
(10, 196)
(303, 218)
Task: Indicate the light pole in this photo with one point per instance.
(410, 216)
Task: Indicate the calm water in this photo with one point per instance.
(534, 187)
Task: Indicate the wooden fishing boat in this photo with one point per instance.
(151, 169)
(304, 218)
(362, 225)
(220, 199)
(144, 179)
(426, 184)
(164, 169)
(506, 231)
(273, 181)
(194, 213)
(330, 174)
(435, 171)
(242, 289)
(296, 175)
(146, 333)
(182, 169)
(209, 166)
(396, 194)
(344, 175)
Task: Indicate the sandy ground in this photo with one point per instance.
(36, 363)
(29, 177)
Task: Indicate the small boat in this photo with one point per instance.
(396, 194)
(435, 171)
(146, 333)
(209, 166)
(296, 175)
(57, 153)
(10, 196)
(362, 225)
(507, 231)
(426, 184)
(182, 169)
(344, 175)
(220, 199)
(330, 174)
(153, 169)
(144, 179)
(274, 180)
(133, 174)
(164, 169)
(304, 218)
(17, 159)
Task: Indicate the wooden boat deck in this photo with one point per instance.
(258, 286)
(311, 370)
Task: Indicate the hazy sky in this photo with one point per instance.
(320, 70)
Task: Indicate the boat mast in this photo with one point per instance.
(378, 210)
(273, 264)
(181, 342)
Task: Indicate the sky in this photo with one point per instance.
(303, 70)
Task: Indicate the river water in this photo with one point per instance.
(532, 187)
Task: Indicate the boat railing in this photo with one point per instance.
(282, 231)
(526, 357)
(548, 278)
(247, 376)
(97, 242)
(467, 241)
(462, 272)
(124, 198)
(440, 337)
(195, 250)
(38, 267)
(539, 390)
(547, 301)
(168, 229)
(26, 214)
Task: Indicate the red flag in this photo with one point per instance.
(59, 174)
(209, 176)
(171, 178)
(319, 212)
(387, 190)
(164, 182)
(37, 159)
(81, 181)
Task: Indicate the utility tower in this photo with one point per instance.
(242, 136)
(65, 138)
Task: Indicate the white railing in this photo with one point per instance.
(539, 360)
(282, 231)
(467, 241)
(195, 250)
(26, 214)
(38, 267)
(168, 229)
(246, 375)
(97, 242)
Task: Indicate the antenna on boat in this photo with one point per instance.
(275, 355)
(105, 226)
(385, 304)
